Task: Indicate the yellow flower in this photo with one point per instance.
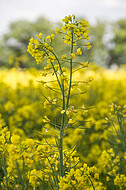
(58, 31)
(71, 121)
(84, 23)
(96, 176)
(29, 142)
(73, 56)
(64, 56)
(15, 139)
(79, 52)
(63, 111)
(32, 40)
(46, 45)
(39, 36)
(67, 19)
(74, 42)
(86, 36)
(88, 45)
(2, 140)
(33, 177)
(68, 38)
(54, 101)
(67, 112)
(47, 103)
(107, 178)
(46, 119)
(50, 37)
(64, 28)
(70, 26)
(84, 64)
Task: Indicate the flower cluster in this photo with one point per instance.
(79, 29)
(83, 178)
(120, 181)
(37, 159)
(41, 49)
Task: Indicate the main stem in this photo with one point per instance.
(71, 61)
(64, 115)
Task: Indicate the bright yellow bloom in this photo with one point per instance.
(84, 64)
(96, 176)
(51, 58)
(84, 23)
(63, 111)
(68, 38)
(74, 43)
(64, 56)
(58, 31)
(15, 139)
(73, 56)
(50, 37)
(64, 28)
(67, 19)
(107, 178)
(39, 36)
(32, 40)
(2, 140)
(88, 45)
(79, 52)
(71, 121)
(46, 119)
(33, 177)
(70, 26)
(86, 36)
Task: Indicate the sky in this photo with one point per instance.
(55, 10)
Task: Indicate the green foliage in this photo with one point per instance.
(117, 54)
(14, 43)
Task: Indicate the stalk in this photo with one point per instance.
(64, 115)
(71, 61)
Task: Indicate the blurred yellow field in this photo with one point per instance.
(21, 110)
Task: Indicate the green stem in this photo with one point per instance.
(71, 61)
(5, 172)
(61, 153)
(91, 181)
(64, 115)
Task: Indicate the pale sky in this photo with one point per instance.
(55, 10)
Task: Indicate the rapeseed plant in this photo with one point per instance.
(41, 49)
